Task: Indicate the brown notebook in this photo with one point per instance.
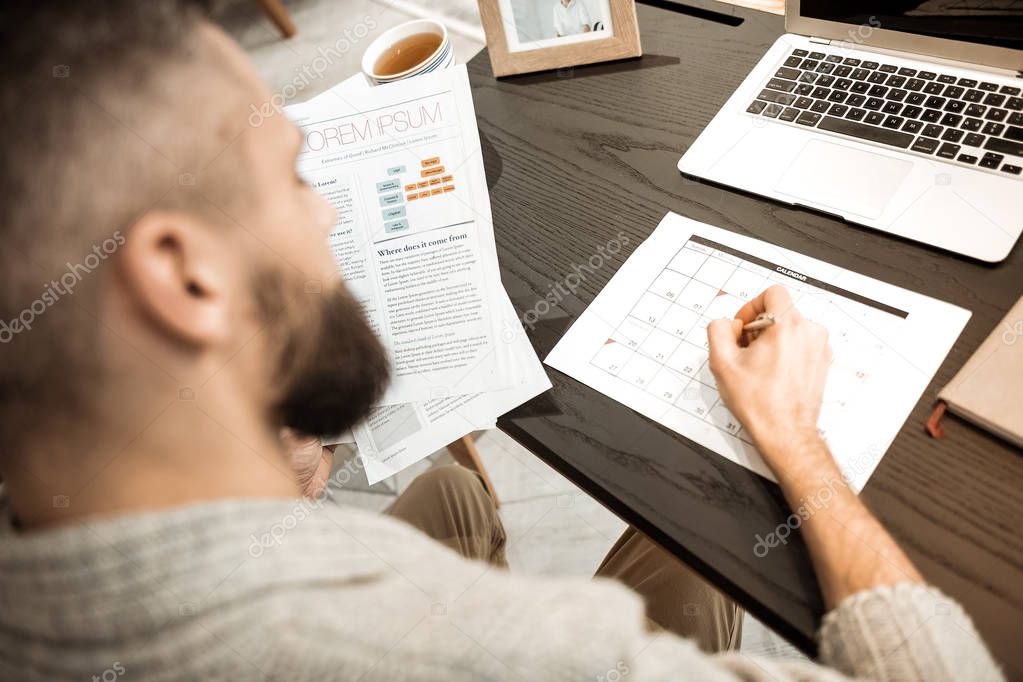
(988, 390)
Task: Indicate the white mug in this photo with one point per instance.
(442, 58)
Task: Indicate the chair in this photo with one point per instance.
(278, 13)
(465, 453)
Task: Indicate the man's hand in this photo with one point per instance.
(309, 460)
(775, 384)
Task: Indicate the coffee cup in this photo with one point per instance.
(407, 50)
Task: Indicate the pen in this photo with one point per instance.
(762, 322)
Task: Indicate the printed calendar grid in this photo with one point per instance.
(661, 344)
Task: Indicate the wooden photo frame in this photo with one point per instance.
(524, 36)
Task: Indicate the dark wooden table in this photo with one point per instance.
(573, 157)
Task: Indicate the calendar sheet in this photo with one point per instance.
(643, 340)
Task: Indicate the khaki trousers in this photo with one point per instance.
(449, 504)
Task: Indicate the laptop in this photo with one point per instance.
(901, 116)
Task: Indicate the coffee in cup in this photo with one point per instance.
(407, 50)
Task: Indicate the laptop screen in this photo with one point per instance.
(988, 22)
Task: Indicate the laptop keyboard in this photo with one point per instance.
(965, 121)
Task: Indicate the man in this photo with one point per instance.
(169, 305)
(570, 18)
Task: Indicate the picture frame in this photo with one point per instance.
(525, 36)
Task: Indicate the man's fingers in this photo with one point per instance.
(723, 339)
(775, 300)
(327, 456)
(304, 452)
(749, 312)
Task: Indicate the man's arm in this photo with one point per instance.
(850, 550)
(774, 386)
(889, 629)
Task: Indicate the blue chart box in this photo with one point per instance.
(396, 170)
(388, 186)
(390, 199)
(395, 212)
(395, 226)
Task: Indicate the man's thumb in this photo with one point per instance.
(723, 339)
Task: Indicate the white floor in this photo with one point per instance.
(553, 527)
(332, 36)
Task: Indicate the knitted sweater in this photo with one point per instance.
(276, 590)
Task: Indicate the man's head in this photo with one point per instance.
(161, 257)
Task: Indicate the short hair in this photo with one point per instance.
(85, 96)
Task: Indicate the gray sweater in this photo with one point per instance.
(272, 589)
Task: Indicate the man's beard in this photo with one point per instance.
(331, 368)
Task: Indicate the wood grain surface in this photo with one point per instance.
(578, 158)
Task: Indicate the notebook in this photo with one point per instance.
(988, 390)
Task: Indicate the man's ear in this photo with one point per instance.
(174, 269)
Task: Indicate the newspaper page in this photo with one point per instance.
(414, 240)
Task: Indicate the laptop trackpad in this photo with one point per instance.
(845, 179)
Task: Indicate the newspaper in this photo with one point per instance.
(414, 241)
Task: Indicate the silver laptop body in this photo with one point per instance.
(907, 118)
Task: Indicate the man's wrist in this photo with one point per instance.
(782, 445)
(799, 459)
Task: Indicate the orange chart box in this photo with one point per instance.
(434, 181)
(449, 188)
(423, 195)
(410, 188)
(432, 161)
(448, 178)
(410, 197)
(436, 191)
(436, 170)
(422, 185)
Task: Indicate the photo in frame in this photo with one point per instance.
(524, 36)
